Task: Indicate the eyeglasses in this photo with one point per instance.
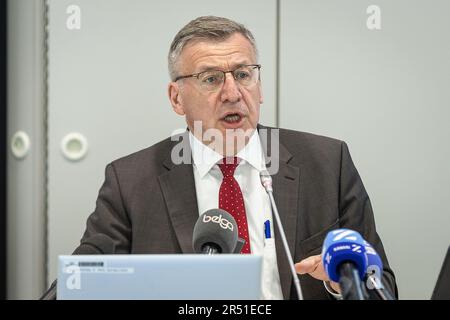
(212, 80)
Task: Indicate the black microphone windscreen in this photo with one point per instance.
(217, 227)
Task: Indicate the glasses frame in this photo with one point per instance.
(196, 75)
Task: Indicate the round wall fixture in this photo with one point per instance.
(74, 146)
(20, 144)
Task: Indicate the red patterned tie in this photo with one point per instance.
(231, 199)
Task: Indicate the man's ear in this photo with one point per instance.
(175, 98)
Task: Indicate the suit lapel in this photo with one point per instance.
(285, 191)
(178, 188)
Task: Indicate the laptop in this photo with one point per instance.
(442, 288)
(160, 277)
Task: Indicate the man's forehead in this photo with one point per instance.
(235, 39)
(231, 52)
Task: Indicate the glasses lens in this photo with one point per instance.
(211, 80)
(247, 75)
(214, 79)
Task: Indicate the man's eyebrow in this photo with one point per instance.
(208, 68)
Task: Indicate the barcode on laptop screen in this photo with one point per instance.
(90, 264)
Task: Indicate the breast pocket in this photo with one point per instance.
(313, 245)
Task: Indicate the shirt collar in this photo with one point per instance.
(205, 158)
(252, 152)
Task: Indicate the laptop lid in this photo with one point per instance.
(442, 288)
(169, 276)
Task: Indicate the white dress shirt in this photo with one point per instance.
(208, 178)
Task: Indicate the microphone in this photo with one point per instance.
(374, 274)
(215, 232)
(96, 244)
(345, 261)
(266, 181)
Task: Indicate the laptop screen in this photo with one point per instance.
(174, 276)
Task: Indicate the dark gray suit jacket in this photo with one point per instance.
(148, 204)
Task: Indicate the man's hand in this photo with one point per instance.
(314, 267)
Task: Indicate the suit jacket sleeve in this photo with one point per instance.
(356, 212)
(110, 216)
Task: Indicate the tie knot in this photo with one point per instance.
(228, 166)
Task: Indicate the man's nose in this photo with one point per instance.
(230, 90)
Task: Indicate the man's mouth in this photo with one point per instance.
(232, 118)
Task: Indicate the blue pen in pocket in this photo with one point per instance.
(267, 229)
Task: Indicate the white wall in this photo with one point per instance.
(386, 93)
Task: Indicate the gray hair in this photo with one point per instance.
(209, 28)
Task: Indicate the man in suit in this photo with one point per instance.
(150, 200)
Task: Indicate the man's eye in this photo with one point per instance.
(210, 80)
(242, 75)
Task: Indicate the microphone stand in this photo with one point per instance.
(350, 283)
(266, 181)
(382, 294)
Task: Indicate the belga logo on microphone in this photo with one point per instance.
(224, 223)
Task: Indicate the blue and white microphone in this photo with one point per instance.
(345, 261)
